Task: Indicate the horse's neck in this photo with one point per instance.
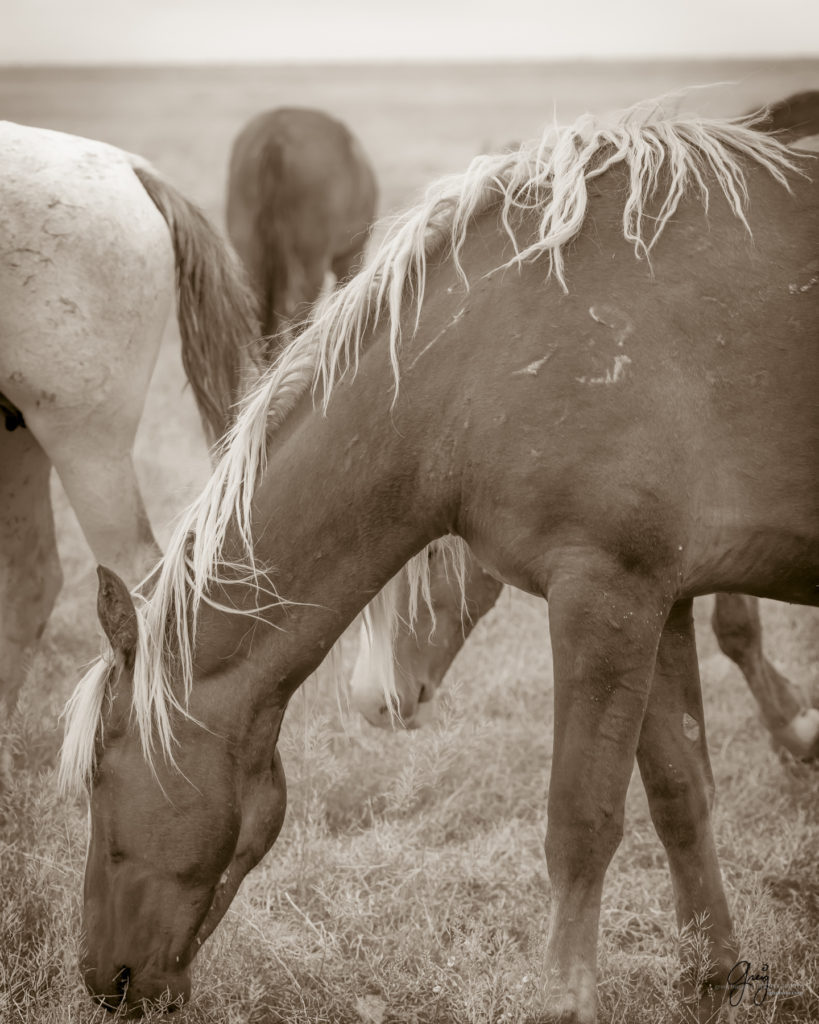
(344, 502)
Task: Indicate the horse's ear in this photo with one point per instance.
(117, 613)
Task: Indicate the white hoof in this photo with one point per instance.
(801, 735)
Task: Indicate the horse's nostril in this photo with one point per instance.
(123, 977)
(112, 1001)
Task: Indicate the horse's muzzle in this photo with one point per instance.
(138, 992)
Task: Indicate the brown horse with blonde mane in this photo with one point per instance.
(428, 637)
(579, 360)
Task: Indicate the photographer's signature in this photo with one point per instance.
(740, 980)
(744, 982)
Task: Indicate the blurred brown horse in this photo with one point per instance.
(425, 643)
(300, 203)
(606, 387)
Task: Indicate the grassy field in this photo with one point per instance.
(408, 884)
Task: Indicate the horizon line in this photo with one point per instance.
(471, 59)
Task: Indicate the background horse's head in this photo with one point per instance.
(423, 646)
(170, 842)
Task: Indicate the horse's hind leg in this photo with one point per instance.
(93, 458)
(791, 724)
(86, 324)
(88, 434)
(605, 628)
(89, 426)
(673, 759)
(30, 576)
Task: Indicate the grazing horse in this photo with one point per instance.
(428, 637)
(577, 359)
(301, 200)
(91, 239)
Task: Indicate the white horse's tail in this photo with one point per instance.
(216, 308)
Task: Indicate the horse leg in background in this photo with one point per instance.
(347, 264)
(790, 722)
(30, 574)
(673, 758)
(605, 627)
(308, 277)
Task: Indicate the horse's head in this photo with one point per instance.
(422, 654)
(170, 843)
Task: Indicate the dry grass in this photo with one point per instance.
(408, 884)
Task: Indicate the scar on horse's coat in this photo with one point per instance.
(605, 315)
(611, 376)
(455, 319)
(794, 289)
(532, 369)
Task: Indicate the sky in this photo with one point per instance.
(174, 31)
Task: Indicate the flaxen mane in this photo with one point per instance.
(548, 180)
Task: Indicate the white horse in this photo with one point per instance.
(93, 245)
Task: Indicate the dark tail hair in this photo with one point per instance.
(278, 260)
(216, 308)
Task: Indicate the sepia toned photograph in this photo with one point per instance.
(409, 512)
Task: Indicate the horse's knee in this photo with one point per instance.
(580, 841)
(736, 625)
(680, 807)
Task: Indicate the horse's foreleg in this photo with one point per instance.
(784, 712)
(30, 576)
(673, 759)
(604, 640)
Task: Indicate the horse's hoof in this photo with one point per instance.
(800, 737)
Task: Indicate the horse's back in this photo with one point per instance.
(86, 261)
